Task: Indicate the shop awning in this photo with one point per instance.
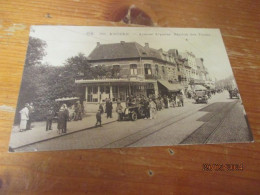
(172, 87)
(121, 80)
(66, 99)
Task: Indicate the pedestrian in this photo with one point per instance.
(101, 108)
(119, 110)
(118, 101)
(31, 111)
(49, 118)
(109, 108)
(98, 117)
(106, 106)
(62, 119)
(181, 99)
(24, 113)
(152, 107)
(78, 111)
(146, 108)
(165, 100)
(66, 114)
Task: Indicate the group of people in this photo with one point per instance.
(108, 110)
(63, 116)
(26, 117)
(162, 101)
(149, 104)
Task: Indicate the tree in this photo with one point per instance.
(78, 65)
(35, 51)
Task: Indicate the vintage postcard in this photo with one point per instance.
(114, 87)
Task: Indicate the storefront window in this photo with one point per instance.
(92, 94)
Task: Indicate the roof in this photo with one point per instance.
(171, 87)
(126, 50)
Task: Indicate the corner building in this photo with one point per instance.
(137, 70)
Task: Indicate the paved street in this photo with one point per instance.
(221, 120)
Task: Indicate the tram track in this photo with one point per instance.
(189, 139)
(158, 127)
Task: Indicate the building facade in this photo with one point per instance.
(137, 70)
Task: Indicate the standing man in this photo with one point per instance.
(109, 107)
(66, 117)
(78, 110)
(31, 111)
(146, 108)
(165, 100)
(61, 120)
(49, 117)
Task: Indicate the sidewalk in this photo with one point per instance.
(39, 133)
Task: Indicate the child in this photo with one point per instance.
(98, 116)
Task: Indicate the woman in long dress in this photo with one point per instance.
(24, 113)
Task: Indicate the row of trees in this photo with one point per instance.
(43, 83)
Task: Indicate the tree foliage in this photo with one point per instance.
(35, 51)
(43, 83)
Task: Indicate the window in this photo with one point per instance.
(156, 70)
(116, 70)
(163, 70)
(92, 94)
(147, 69)
(133, 69)
(115, 92)
(104, 89)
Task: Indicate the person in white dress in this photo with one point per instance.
(24, 113)
(153, 111)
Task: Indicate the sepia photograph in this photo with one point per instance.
(113, 87)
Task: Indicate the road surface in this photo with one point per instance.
(220, 121)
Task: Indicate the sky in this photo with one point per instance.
(64, 42)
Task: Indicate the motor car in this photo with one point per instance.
(133, 112)
(201, 96)
(233, 93)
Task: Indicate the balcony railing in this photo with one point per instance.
(152, 76)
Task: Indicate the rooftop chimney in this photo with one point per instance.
(122, 42)
(146, 45)
(98, 44)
